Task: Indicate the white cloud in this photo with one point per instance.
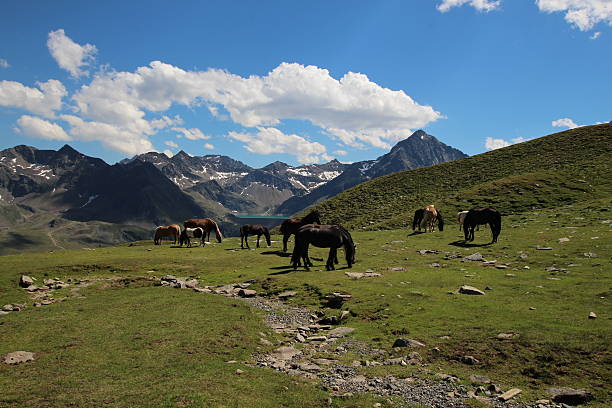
(564, 122)
(340, 152)
(480, 5)
(209, 146)
(191, 134)
(43, 101)
(270, 140)
(168, 153)
(352, 109)
(69, 55)
(492, 144)
(39, 128)
(4, 63)
(583, 14)
(111, 136)
(170, 143)
(595, 35)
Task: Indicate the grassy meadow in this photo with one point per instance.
(124, 342)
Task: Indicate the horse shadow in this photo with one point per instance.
(277, 253)
(413, 233)
(463, 244)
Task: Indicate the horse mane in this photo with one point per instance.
(311, 217)
(217, 231)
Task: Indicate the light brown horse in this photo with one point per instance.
(207, 225)
(173, 231)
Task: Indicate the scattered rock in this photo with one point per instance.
(397, 269)
(287, 294)
(474, 257)
(359, 275)
(470, 290)
(592, 315)
(284, 353)
(563, 240)
(570, 396)
(427, 251)
(590, 255)
(340, 331)
(510, 394)
(247, 293)
(434, 265)
(239, 371)
(544, 248)
(507, 336)
(18, 357)
(469, 360)
(407, 343)
(26, 281)
(335, 300)
(501, 266)
(479, 379)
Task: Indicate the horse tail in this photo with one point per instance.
(297, 252)
(349, 246)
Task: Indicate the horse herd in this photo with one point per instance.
(309, 230)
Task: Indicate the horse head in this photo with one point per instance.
(440, 221)
(266, 233)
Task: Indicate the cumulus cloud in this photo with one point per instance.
(209, 146)
(352, 109)
(69, 55)
(170, 143)
(113, 137)
(564, 122)
(168, 153)
(583, 14)
(39, 128)
(480, 5)
(4, 63)
(124, 110)
(270, 140)
(492, 144)
(191, 134)
(340, 152)
(42, 101)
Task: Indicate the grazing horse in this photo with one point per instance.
(189, 233)
(426, 218)
(461, 218)
(481, 216)
(291, 226)
(207, 225)
(323, 236)
(250, 229)
(173, 231)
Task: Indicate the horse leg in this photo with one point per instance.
(333, 252)
(285, 239)
(258, 236)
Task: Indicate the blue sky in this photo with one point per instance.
(299, 82)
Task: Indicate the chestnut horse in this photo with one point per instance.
(206, 224)
(173, 231)
(291, 226)
(250, 229)
(426, 218)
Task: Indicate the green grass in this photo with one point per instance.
(127, 343)
(558, 169)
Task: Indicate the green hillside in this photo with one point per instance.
(554, 170)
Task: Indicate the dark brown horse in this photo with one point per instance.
(251, 229)
(480, 216)
(173, 231)
(323, 236)
(291, 226)
(206, 224)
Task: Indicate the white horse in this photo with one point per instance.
(189, 233)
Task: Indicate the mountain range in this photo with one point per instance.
(153, 189)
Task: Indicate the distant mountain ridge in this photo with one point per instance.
(418, 150)
(65, 190)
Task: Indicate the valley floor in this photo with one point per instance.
(114, 337)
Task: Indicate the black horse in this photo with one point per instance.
(291, 226)
(480, 216)
(418, 219)
(250, 229)
(323, 236)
